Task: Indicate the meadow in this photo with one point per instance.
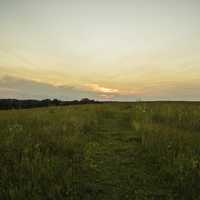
(129, 151)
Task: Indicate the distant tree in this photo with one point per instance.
(86, 100)
(46, 102)
(56, 102)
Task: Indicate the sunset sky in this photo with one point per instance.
(102, 49)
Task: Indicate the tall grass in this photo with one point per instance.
(110, 151)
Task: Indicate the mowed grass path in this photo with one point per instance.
(101, 152)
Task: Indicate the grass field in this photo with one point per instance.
(128, 151)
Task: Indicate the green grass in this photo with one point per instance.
(133, 151)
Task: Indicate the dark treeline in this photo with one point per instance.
(6, 104)
(18, 104)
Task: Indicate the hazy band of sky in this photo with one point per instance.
(122, 49)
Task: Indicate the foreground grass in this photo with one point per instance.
(101, 152)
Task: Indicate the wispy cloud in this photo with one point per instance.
(100, 89)
(108, 91)
(14, 87)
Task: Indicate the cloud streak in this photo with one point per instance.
(98, 88)
(14, 87)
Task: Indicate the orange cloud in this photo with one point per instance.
(109, 93)
(100, 89)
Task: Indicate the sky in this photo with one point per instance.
(122, 50)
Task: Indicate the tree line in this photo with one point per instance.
(31, 103)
